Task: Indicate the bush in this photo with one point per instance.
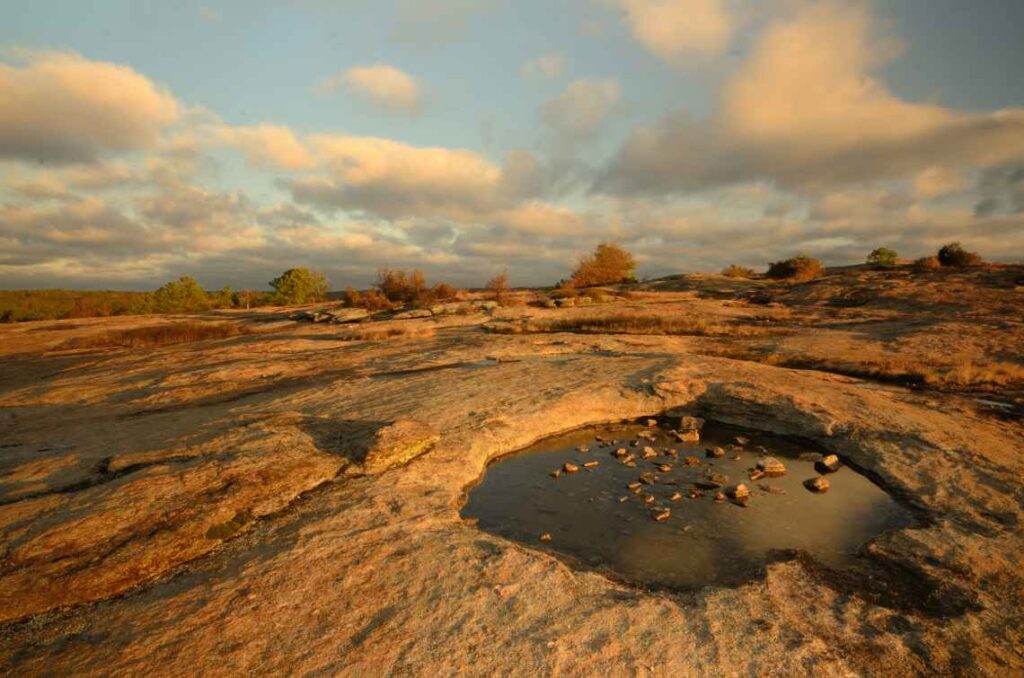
(798, 268)
(401, 286)
(734, 271)
(955, 255)
(883, 257)
(927, 264)
(299, 286)
(183, 295)
(499, 286)
(608, 265)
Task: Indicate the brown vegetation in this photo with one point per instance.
(371, 332)
(798, 268)
(624, 322)
(158, 335)
(734, 271)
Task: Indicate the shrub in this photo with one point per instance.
(608, 265)
(883, 257)
(351, 297)
(443, 292)
(299, 286)
(927, 264)
(798, 268)
(183, 295)
(955, 255)
(499, 286)
(401, 286)
(373, 300)
(734, 271)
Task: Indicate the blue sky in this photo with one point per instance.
(145, 140)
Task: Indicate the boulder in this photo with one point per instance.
(347, 315)
(413, 314)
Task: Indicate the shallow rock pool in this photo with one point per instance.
(674, 527)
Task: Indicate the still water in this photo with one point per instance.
(595, 517)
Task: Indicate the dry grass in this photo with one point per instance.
(932, 370)
(158, 335)
(643, 323)
(372, 332)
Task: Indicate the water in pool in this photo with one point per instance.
(668, 529)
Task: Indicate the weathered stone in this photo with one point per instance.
(714, 452)
(620, 453)
(691, 461)
(570, 467)
(412, 314)
(771, 489)
(546, 537)
(741, 440)
(583, 449)
(719, 496)
(649, 499)
(591, 464)
(397, 444)
(664, 468)
(648, 478)
(556, 473)
(756, 474)
(652, 422)
(676, 496)
(661, 514)
(649, 452)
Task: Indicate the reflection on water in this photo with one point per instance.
(593, 516)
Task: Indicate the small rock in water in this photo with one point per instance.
(635, 486)
(772, 467)
(583, 448)
(648, 478)
(591, 464)
(719, 478)
(741, 440)
(692, 436)
(557, 472)
(621, 452)
(650, 452)
(691, 461)
(719, 496)
(652, 422)
(739, 491)
(649, 499)
(664, 468)
(694, 494)
(713, 452)
(661, 515)
(630, 463)
(624, 498)
(819, 484)
(546, 537)
(756, 474)
(828, 464)
(690, 424)
(569, 467)
(676, 497)
(771, 489)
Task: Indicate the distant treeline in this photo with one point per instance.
(22, 305)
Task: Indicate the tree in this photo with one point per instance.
(883, 257)
(183, 295)
(225, 298)
(299, 286)
(608, 265)
(955, 255)
(499, 285)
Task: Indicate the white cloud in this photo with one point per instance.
(61, 107)
(386, 86)
(267, 145)
(550, 66)
(582, 107)
(673, 29)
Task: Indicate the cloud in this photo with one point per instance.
(386, 86)
(805, 112)
(267, 145)
(550, 66)
(673, 29)
(582, 107)
(60, 107)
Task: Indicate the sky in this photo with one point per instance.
(143, 140)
